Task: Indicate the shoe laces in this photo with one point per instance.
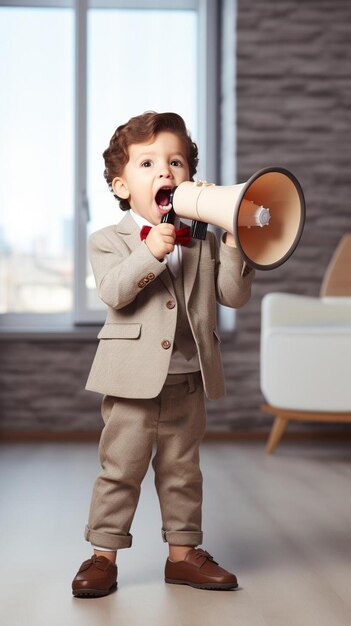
(201, 554)
(100, 562)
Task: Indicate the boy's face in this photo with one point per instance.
(159, 164)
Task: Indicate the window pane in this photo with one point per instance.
(138, 60)
(36, 159)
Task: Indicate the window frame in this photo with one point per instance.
(207, 139)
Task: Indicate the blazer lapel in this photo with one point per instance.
(191, 256)
(190, 263)
(167, 281)
(129, 230)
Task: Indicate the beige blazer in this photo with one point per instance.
(135, 346)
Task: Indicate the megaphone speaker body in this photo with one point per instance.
(234, 208)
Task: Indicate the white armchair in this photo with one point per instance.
(306, 352)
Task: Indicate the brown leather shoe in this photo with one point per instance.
(96, 577)
(199, 570)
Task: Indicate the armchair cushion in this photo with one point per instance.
(306, 352)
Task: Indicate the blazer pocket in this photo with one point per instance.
(120, 331)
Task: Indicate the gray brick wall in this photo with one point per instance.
(293, 110)
(42, 386)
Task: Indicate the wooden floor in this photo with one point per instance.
(282, 523)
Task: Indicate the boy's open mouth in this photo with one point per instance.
(163, 199)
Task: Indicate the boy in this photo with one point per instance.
(158, 354)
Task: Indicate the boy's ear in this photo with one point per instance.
(120, 188)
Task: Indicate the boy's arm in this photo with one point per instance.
(121, 275)
(232, 289)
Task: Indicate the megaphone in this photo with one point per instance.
(266, 215)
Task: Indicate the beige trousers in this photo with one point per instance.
(173, 424)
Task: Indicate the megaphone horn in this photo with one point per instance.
(266, 215)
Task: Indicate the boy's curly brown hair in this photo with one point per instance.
(140, 129)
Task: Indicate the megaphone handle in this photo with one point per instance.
(198, 229)
(245, 270)
(169, 217)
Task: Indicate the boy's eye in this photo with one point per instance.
(146, 164)
(176, 162)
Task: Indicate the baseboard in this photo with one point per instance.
(212, 435)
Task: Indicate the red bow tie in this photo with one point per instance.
(182, 234)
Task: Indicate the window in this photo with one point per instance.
(87, 67)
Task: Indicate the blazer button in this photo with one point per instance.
(166, 344)
(151, 276)
(170, 304)
(141, 284)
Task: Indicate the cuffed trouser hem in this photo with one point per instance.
(107, 540)
(182, 537)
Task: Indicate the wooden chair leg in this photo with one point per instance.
(277, 431)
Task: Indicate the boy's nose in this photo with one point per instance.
(165, 172)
